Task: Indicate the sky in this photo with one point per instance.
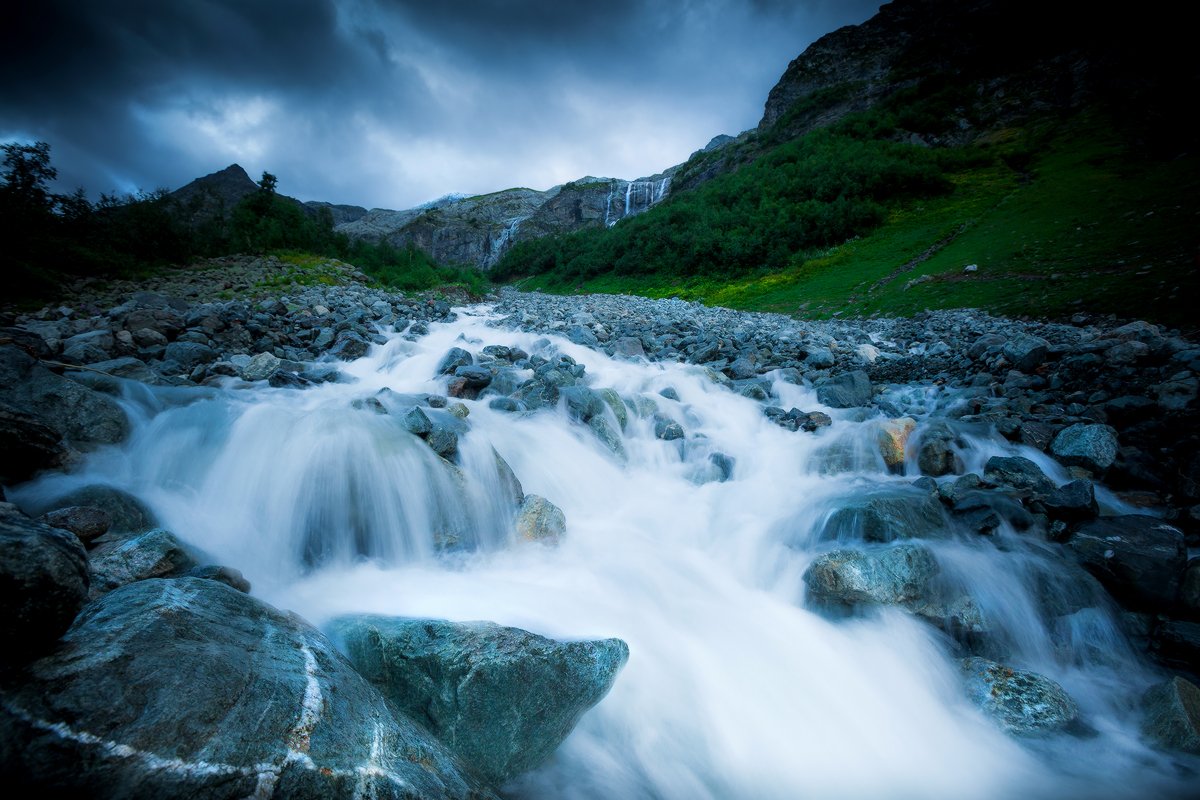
(391, 103)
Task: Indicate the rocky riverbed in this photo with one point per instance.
(1065, 454)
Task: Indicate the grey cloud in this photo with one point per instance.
(391, 102)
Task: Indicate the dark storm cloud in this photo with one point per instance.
(391, 102)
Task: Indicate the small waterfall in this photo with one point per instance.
(736, 685)
(628, 192)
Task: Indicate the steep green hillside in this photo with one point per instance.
(1058, 220)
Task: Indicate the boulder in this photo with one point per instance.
(73, 411)
(1022, 703)
(455, 357)
(910, 514)
(1017, 472)
(86, 522)
(44, 580)
(898, 575)
(118, 560)
(1139, 559)
(892, 437)
(1093, 447)
(189, 355)
(539, 520)
(501, 698)
(1072, 502)
(848, 390)
(1026, 352)
(349, 346)
(666, 428)
(261, 367)
(227, 575)
(28, 446)
(187, 688)
(126, 513)
(1172, 715)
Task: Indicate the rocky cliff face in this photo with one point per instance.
(479, 230)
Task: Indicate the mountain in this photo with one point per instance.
(215, 195)
(479, 230)
(1051, 153)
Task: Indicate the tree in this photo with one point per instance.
(27, 174)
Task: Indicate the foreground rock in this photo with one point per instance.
(187, 688)
(1139, 559)
(539, 520)
(71, 410)
(44, 582)
(120, 560)
(1172, 720)
(1021, 703)
(502, 698)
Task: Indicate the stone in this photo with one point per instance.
(121, 560)
(667, 429)
(1072, 502)
(261, 367)
(539, 520)
(909, 514)
(229, 576)
(893, 438)
(629, 347)
(416, 422)
(76, 413)
(1171, 712)
(28, 446)
(475, 377)
(189, 355)
(848, 390)
(44, 581)
(502, 698)
(616, 406)
(581, 402)
(1026, 352)
(86, 522)
(1021, 703)
(349, 346)
(455, 357)
(1093, 447)
(187, 688)
(1139, 559)
(983, 512)
(1018, 473)
(126, 513)
(899, 575)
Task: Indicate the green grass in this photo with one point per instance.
(1090, 228)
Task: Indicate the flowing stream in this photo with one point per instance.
(734, 687)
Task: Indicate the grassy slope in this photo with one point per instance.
(1089, 228)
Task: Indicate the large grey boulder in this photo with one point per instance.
(1021, 703)
(75, 412)
(44, 581)
(886, 517)
(539, 520)
(1139, 559)
(1093, 447)
(1026, 352)
(502, 698)
(27, 446)
(899, 575)
(125, 512)
(118, 560)
(1018, 473)
(187, 688)
(1172, 715)
(848, 390)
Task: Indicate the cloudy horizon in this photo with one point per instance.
(391, 103)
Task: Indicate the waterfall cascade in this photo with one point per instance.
(737, 684)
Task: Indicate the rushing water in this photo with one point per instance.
(734, 689)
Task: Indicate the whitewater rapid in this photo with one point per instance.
(734, 689)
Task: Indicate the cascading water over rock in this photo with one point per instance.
(708, 537)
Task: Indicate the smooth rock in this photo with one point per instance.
(898, 575)
(261, 367)
(539, 520)
(1139, 559)
(502, 698)
(86, 522)
(1093, 447)
(1022, 703)
(848, 390)
(1172, 715)
(44, 581)
(187, 688)
(121, 560)
(893, 438)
